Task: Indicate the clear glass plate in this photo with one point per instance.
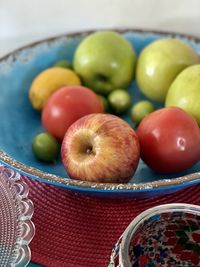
(16, 227)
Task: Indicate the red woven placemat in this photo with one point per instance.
(75, 230)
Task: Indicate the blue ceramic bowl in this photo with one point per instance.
(20, 123)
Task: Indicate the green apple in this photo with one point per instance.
(159, 63)
(105, 60)
(184, 92)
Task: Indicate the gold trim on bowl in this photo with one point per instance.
(51, 178)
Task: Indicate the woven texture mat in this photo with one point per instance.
(75, 230)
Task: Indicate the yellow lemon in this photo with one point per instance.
(47, 82)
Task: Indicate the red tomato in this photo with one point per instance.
(169, 140)
(67, 105)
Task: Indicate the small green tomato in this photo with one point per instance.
(63, 64)
(119, 100)
(140, 110)
(104, 100)
(45, 147)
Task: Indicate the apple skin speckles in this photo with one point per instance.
(101, 148)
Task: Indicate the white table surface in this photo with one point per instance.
(25, 21)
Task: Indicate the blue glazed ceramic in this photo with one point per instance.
(20, 123)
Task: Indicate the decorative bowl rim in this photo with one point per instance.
(24, 212)
(147, 214)
(121, 247)
(37, 174)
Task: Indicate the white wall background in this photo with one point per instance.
(24, 21)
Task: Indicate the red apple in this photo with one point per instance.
(100, 148)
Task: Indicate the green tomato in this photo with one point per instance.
(63, 64)
(45, 147)
(104, 100)
(119, 100)
(140, 110)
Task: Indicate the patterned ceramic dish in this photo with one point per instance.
(16, 211)
(163, 236)
(20, 123)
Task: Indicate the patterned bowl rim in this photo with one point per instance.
(37, 174)
(145, 215)
(24, 209)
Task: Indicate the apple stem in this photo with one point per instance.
(89, 151)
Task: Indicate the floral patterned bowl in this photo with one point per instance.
(163, 236)
(16, 228)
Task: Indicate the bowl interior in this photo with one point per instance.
(20, 123)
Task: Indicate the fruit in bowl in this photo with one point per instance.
(17, 113)
(67, 105)
(169, 140)
(45, 147)
(63, 64)
(47, 82)
(140, 110)
(160, 62)
(101, 148)
(184, 92)
(105, 61)
(120, 101)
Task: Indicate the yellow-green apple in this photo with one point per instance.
(105, 60)
(159, 63)
(100, 148)
(185, 92)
